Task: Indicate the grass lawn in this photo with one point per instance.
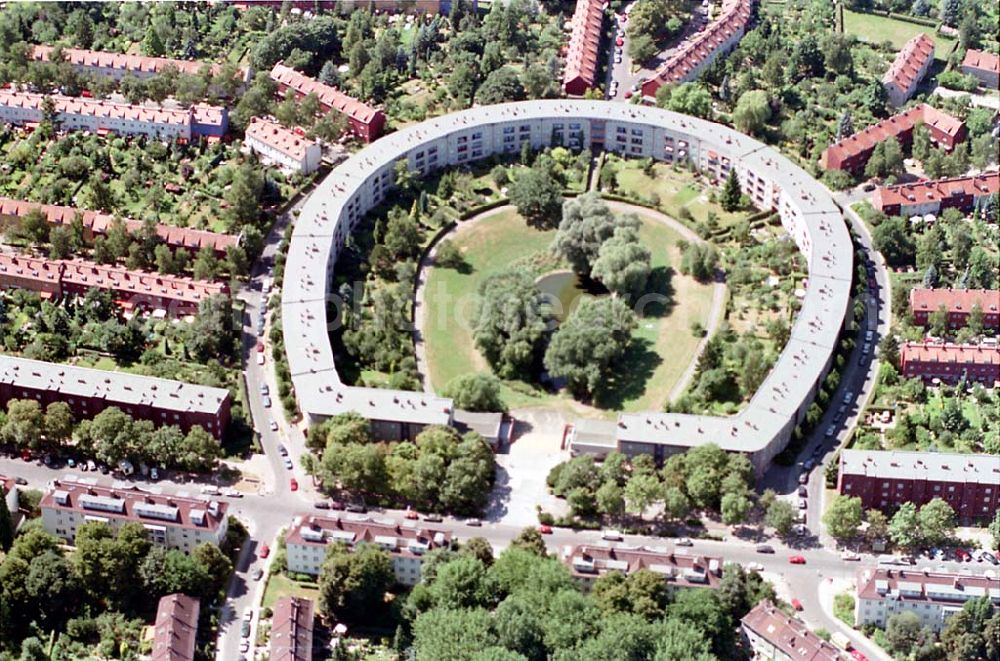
(280, 585)
(662, 347)
(676, 189)
(970, 408)
(876, 29)
(450, 295)
(843, 608)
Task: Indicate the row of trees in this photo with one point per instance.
(142, 249)
(98, 597)
(96, 322)
(910, 527)
(110, 437)
(970, 634)
(524, 604)
(439, 470)
(702, 479)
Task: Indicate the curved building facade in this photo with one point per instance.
(365, 180)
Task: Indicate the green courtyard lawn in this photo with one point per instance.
(280, 585)
(449, 296)
(679, 195)
(877, 29)
(663, 344)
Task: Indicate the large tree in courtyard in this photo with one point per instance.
(537, 196)
(510, 323)
(352, 583)
(589, 342)
(586, 224)
(622, 264)
(844, 517)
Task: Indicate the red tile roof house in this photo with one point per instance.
(103, 117)
(175, 296)
(366, 122)
(950, 362)
(772, 634)
(958, 303)
(172, 521)
(984, 66)
(933, 597)
(702, 48)
(288, 149)
(97, 224)
(292, 629)
(90, 391)
(584, 49)
(923, 197)
(116, 65)
(852, 153)
(969, 483)
(908, 69)
(588, 562)
(176, 628)
(407, 543)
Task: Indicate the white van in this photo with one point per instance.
(611, 535)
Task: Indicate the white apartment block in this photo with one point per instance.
(176, 522)
(287, 149)
(933, 597)
(307, 542)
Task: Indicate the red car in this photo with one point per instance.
(962, 554)
(545, 529)
(796, 604)
(410, 514)
(265, 551)
(857, 656)
(619, 42)
(260, 347)
(797, 560)
(293, 484)
(628, 94)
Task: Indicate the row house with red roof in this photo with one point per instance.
(852, 153)
(701, 49)
(117, 65)
(97, 224)
(775, 635)
(587, 27)
(366, 122)
(908, 69)
(950, 362)
(104, 117)
(958, 304)
(290, 150)
(934, 196)
(884, 480)
(984, 66)
(346, 6)
(292, 629)
(173, 521)
(175, 632)
(407, 543)
(174, 296)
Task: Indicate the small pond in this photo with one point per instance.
(562, 291)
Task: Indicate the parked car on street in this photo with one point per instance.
(797, 560)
